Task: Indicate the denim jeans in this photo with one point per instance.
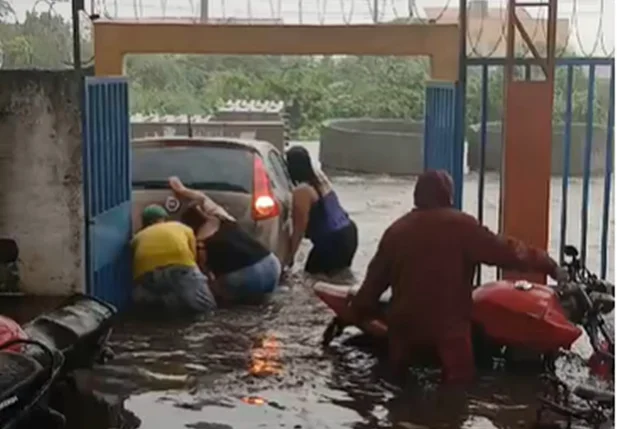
(253, 281)
(175, 287)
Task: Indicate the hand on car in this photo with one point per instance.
(175, 184)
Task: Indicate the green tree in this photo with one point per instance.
(322, 88)
(6, 8)
(43, 40)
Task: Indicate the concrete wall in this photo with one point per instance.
(577, 153)
(270, 131)
(382, 146)
(41, 203)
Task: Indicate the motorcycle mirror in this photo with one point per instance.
(571, 251)
(602, 302)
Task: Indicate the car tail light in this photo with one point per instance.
(264, 204)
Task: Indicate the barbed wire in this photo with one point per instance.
(501, 39)
(588, 29)
(482, 42)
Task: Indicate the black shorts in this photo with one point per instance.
(334, 253)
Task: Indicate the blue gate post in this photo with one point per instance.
(107, 189)
(441, 149)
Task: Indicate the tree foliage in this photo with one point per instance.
(318, 87)
(43, 41)
(326, 87)
(5, 8)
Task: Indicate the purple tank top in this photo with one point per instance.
(325, 217)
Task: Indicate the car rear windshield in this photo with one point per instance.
(207, 168)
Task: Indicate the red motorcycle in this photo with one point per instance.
(521, 322)
(515, 321)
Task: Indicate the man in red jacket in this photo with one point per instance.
(428, 258)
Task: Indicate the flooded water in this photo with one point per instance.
(264, 367)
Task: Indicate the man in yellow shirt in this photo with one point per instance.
(164, 264)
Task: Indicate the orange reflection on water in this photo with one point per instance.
(253, 400)
(265, 357)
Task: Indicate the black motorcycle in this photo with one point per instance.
(587, 299)
(70, 337)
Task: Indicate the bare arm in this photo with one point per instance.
(302, 201)
(209, 207)
(486, 247)
(377, 279)
(182, 191)
(202, 256)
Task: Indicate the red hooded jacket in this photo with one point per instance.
(428, 257)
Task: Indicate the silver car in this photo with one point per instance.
(248, 178)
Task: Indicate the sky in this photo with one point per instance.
(592, 21)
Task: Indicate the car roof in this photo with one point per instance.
(260, 146)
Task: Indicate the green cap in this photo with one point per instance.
(152, 214)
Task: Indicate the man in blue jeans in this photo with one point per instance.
(165, 269)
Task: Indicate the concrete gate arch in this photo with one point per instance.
(106, 123)
(114, 39)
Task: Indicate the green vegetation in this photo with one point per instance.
(42, 41)
(320, 88)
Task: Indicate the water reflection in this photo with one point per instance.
(266, 357)
(263, 366)
(254, 400)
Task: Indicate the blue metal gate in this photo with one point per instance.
(107, 189)
(441, 148)
(583, 147)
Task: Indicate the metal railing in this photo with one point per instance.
(583, 140)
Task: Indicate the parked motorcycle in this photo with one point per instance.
(42, 354)
(521, 322)
(513, 321)
(25, 383)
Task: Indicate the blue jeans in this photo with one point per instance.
(254, 281)
(176, 287)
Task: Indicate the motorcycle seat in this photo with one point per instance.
(589, 393)
(70, 326)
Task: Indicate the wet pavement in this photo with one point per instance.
(264, 367)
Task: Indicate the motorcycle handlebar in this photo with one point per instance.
(569, 288)
(602, 302)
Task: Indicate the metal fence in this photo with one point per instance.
(582, 162)
(440, 130)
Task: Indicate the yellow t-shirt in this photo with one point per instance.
(163, 244)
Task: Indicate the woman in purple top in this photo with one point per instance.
(319, 216)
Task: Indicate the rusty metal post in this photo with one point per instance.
(527, 134)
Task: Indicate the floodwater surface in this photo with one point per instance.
(264, 367)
